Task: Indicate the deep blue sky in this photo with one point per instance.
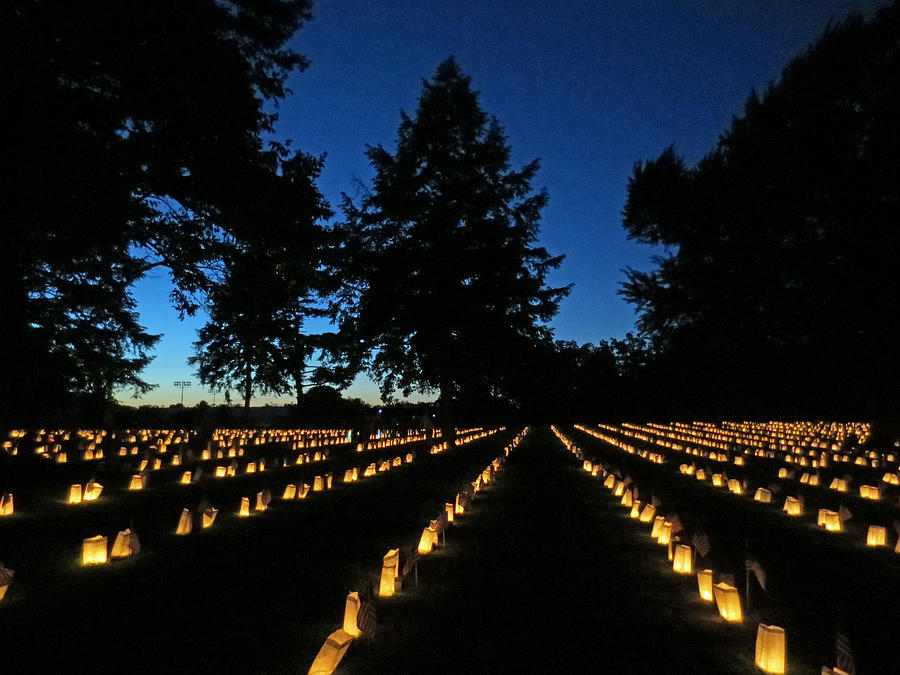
(589, 88)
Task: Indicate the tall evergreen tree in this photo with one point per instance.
(444, 280)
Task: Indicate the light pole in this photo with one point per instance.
(182, 384)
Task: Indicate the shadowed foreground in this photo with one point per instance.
(249, 595)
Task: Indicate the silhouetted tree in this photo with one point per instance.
(134, 141)
(255, 339)
(444, 280)
(775, 295)
(235, 347)
(564, 382)
(323, 406)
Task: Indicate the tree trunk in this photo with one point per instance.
(298, 386)
(17, 391)
(248, 391)
(445, 413)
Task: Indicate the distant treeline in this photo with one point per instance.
(323, 408)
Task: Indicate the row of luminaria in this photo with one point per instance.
(396, 568)
(876, 535)
(770, 643)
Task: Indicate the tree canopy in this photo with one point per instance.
(775, 292)
(255, 338)
(134, 143)
(444, 279)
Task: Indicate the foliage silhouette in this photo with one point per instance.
(444, 281)
(775, 295)
(134, 143)
(255, 338)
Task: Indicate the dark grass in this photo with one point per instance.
(763, 472)
(41, 489)
(254, 595)
(547, 574)
(816, 580)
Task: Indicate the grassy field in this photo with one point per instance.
(249, 595)
(544, 572)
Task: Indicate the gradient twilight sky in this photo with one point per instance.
(589, 88)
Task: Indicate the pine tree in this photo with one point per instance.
(444, 280)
